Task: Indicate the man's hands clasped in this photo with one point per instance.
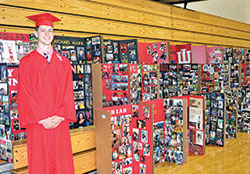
(51, 122)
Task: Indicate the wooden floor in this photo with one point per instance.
(234, 158)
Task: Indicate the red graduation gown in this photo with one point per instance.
(44, 90)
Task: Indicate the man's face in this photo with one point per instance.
(45, 35)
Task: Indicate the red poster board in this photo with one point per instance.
(18, 132)
(157, 52)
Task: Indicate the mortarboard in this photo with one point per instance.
(44, 19)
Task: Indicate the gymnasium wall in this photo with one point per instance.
(142, 19)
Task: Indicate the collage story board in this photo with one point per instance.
(120, 51)
(231, 113)
(153, 53)
(245, 74)
(18, 132)
(215, 118)
(244, 109)
(215, 55)
(196, 124)
(77, 50)
(5, 120)
(169, 130)
(13, 47)
(124, 139)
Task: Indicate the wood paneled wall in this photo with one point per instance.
(119, 19)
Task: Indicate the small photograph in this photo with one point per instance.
(128, 170)
(109, 49)
(73, 55)
(146, 149)
(131, 45)
(122, 152)
(146, 113)
(19, 136)
(144, 136)
(143, 169)
(109, 57)
(142, 159)
(220, 123)
(123, 48)
(80, 53)
(115, 45)
(126, 130)
(13, 104)
(137, 145)
(127, 161)
(199, 138)
(58, 48)
(97, 49)
(135, 134)
(79, 104)
(15, 125)
(19, 47)
(116, 138)
(14, 114)
(126, 141)
(137, 155)
(3, 88)
(141, 124)
(118, 167)
(129, 151)
(78, 95)
(96, 40)
(108, 84)
(78, 84)
(65, 54)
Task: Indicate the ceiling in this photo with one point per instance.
(172, 2)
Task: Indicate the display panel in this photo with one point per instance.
(215, 55)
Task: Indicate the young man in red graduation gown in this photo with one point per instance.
(46, 103)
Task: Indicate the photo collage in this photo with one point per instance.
(149, 81)
(159, 52)
(94, 50)
(215, 118)
(188, 78)
(238, 56)
(174, 130)
(17, 131)
(221, 76)
(245, 74)
(121, 138)
(74, 49)
(142, 138)
(168, 80)
(5, 121)
(244, 110)
(128, 51)
(234, 76)
(131, 138)
(196, 125)
(13, 47)
(227, 55)
(135, 83)
(115, 84)
(111, 51)
(231, 113)
(207, 78)
(215, 55)
(247, 56)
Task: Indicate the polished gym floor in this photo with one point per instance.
(233, 158)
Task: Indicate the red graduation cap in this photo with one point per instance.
(44, 19)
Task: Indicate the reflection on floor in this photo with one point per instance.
(234, 158)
